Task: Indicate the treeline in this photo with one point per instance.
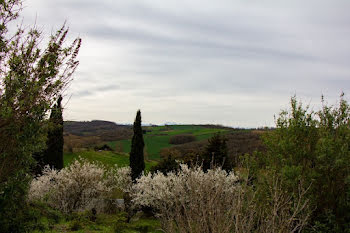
(237, 143)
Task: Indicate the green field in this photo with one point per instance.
(157, 137)
(106, 157)
(104, 223)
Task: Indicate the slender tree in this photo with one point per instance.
(53, 154)
(137, 162)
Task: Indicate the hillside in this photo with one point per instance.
(105, 130)
(157, 138)
(82, 136)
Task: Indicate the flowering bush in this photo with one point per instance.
(191, 200)
(122, 178)
(82, 185)
(217, 201)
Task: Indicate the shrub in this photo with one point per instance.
(191, 201)
(315, 147)
(217, 201)
(181, 139)
(167, 165)
(278, 210)
(81, 186)
(104, 147)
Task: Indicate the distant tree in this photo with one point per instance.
(215, 153)
(166, 165)
(103, 147)
(53, 155)
(137, 163)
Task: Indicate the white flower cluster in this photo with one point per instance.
(190, 198)
(80, 186)
(158, 189)
(122, 178)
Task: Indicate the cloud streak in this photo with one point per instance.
(230, 62)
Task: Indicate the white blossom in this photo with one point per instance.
(77, 187)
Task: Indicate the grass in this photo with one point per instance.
(104, 223)
(107, 158)
(157, 137)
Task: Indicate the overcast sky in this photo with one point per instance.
(230, 62)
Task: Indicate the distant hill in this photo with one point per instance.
(87, 134)
(105, 130)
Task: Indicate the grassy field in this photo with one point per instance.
(83, 222)
(106, 157)
(158, 137)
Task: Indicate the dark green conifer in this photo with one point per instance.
(216, 153)
(137, 163)
(53, 155)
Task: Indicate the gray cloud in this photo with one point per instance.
(230, 62)
(83, 93)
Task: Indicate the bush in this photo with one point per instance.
(217, 201)
(315, 147)
(81, 186)
(166, 165)
(182, 200)
(104, 147)
(181, 139)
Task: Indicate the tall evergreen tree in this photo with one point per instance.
(53, 155)
(137, 162)
(216, 153)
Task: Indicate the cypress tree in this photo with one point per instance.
(53, 154)
(137, 163)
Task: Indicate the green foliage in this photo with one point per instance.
(166, 165)
(31, 80)
(104, 147)
(81, 222)
(53, 155)
(216, 153)
(137, 163)
(120, 224)
(314, 147)
(36, 216)
(75, 225)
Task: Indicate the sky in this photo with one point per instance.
(230, 62)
